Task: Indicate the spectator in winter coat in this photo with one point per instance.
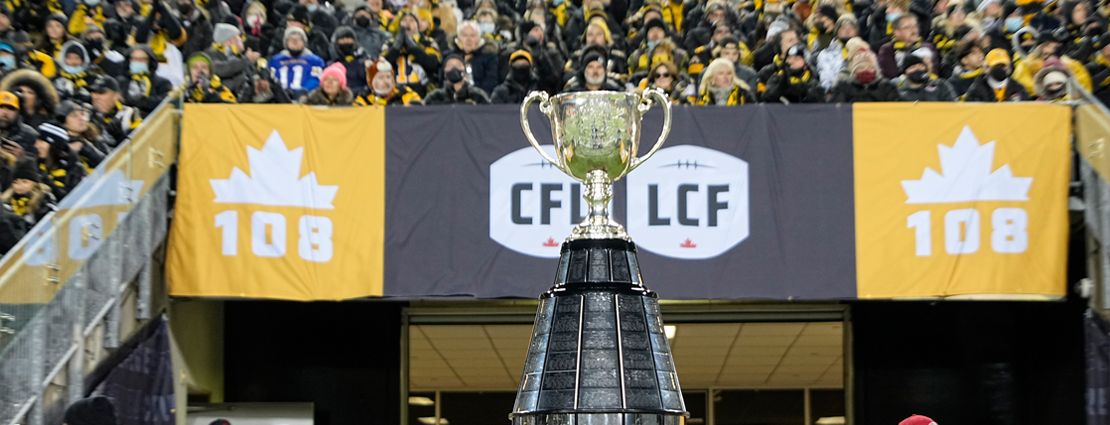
(263, 89)
(54, 35)
(917, 84)
(1049, 45)
(229, 59)
(384, 90)
(456, 89)
(865, 83)
(480, 56)
(831, 61)
(333, 89)
(101, 57)
(197, 25)
(995, 85)
(734, 50)
(720, 87)
(1052, 82)
(110, 114)
(348, 52)
(27, 197)
(256, 26)
(547, 58)
(368, 31)
(12, 126)
(60, 169)
(37, 97)
(794, 81)
(1099, 68)
(593, 74)
(74, 74)
(142, 87)
(906, 40)
(84, 137)
(969, 67)
(666, 77)
(415, 59)
(202, 86)
(520, 81)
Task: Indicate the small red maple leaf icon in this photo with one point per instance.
(550, 242)
(688, 244)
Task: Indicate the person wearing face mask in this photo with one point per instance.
(822, 27)
(1032, 14)
(74, 75)
(123, 23)
(456, 89)
(322, 16)
(830, 62)
(1091, 41)
(101, 56)
(383, 88)
(1049, 45)
(520, 81)
(598, 37)
(109, 113)
(917, 84)
(368, 31)
(37, 96)
(161, 30)
(1052, 82)
(479, 54)
(230, 59)
(197, 25)
(315, 40)
(655, 34)
(702, 55)
(995, 85)
(864, 83)
(256, 24)
(775, 46)
(794, 82)
(547, 57)
(142, 87)
(28, 198)
(86, 9)
(296, 68)
(350, 54)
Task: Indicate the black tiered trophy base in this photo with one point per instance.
(599, 355)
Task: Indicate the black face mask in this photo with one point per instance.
(94, 45)
(454, 75)
(999, 72)
(918, 77)
(820, 27)
(186, 9)
(362, 22)
(295, 53)
(1030, 9)
(345, 49)
(521, 73)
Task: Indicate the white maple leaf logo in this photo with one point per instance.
(275, 180)
(966, 176)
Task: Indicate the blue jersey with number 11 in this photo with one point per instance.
(296, 74)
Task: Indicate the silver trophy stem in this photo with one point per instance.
(598, 224)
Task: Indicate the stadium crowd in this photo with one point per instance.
(77, 76)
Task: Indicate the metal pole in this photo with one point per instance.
(404, 366)
(808, 407)
(710, 406)
(438, 409)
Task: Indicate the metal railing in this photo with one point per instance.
(81, 280)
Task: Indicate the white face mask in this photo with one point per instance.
(486, 27)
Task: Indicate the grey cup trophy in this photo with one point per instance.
(597, 135)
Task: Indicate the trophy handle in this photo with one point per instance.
(545, 107)
(665, 102)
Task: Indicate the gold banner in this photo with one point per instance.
(282, 202)
(961, 201)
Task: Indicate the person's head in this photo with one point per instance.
(95, 410)
(28, 98)
(24, 179)
(864, 67)
(487, 21)
(76, 117)
(228, 36)
(535, 30)
(200, 67)
(5, 19)
(9, 109)
(915, 69)
(824, 20)
(410, 24)
(1054, 82)
(7, 57)
(970, 56)
(105, 94)
(664, 75)
(346, 42)
(469, 37)
(374, 5)
(918, 420)
(597, 34)
(454, 69)
(795, 58)
(73, 56)
(1079, 13)
(906, 29)
(186, 7)
(295, 40)
(998, 64)
(655, 31)
(1050, 43)
(363, 17)
(51, 138)
(138, 61)
(520, 66)
(720, 73)
(56, 27)
(649, 14)
(334, 79)
(729, 48)
(991, 8)
(1105, 51)
(715, 14)
(787, 38)
(721, 31)
(124, 8)
(594, 68)
(847, 27)
(381, 77)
